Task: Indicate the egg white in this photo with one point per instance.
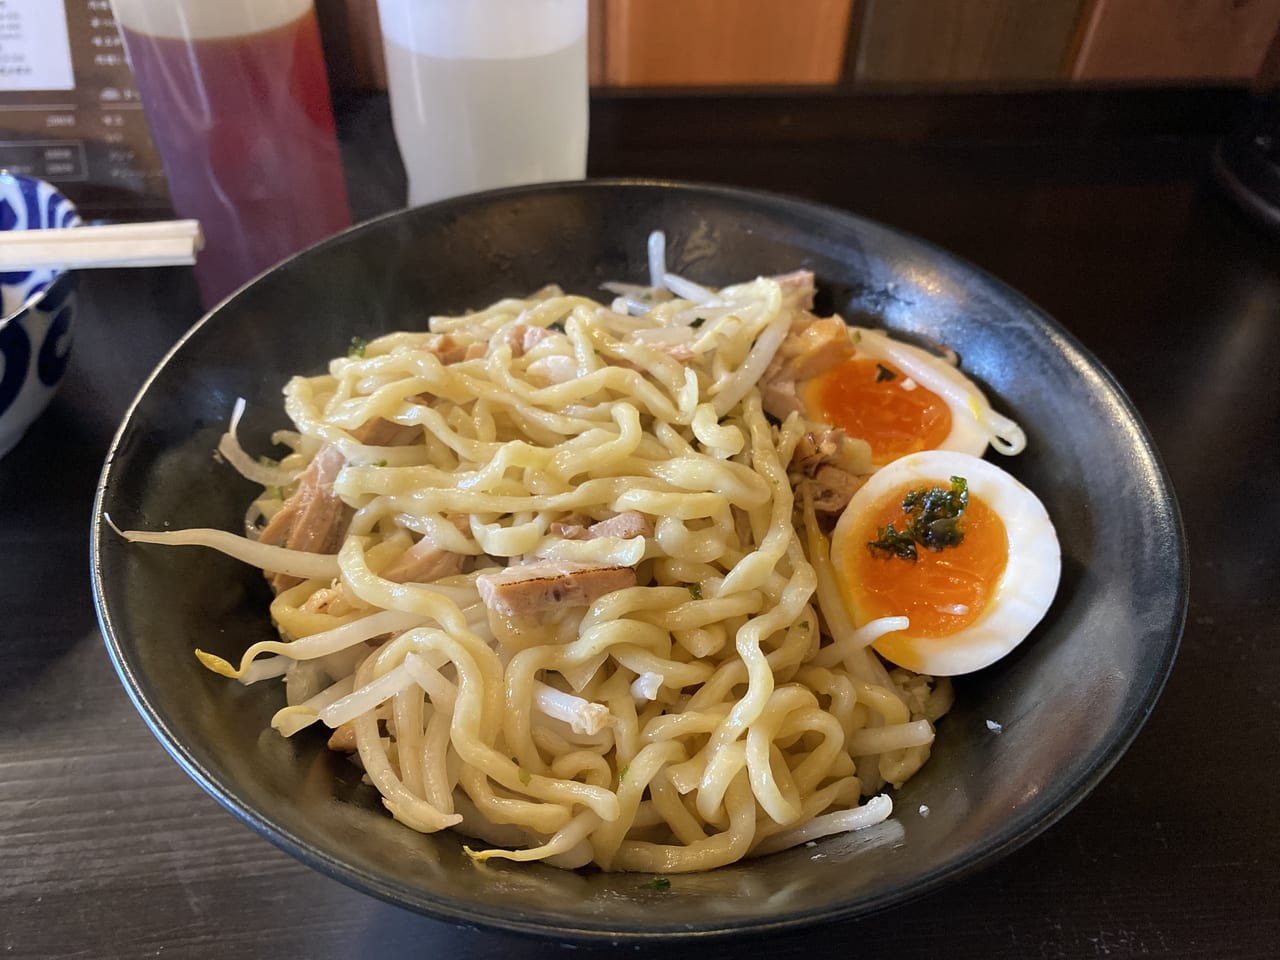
(973, 423)
(1019, 600)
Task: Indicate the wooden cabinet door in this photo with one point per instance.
(713, 42)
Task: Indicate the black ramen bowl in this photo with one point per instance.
(1063, 706)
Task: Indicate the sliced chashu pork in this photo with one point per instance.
(811, 347)
(424, 562)
(313, 519)
(798, 289)
(534, 587)
(625, 525)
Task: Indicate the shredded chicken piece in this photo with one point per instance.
(833, 488)
(780, 398)
(313, 519)
(572, 526)
(812, 347)
(830, 467)
(797, 289)
(522, 338)
(450, 350)
(815, 448)
(553, 369)
(424, 563)
(381, 432)
(533, 587)
(627, 524)
(817, 348)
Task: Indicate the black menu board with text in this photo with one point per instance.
(69, 111)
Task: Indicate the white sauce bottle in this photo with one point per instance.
(486, 93)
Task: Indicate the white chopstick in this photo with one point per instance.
(162, 244)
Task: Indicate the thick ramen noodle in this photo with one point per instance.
(556, 574)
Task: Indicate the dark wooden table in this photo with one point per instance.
(1099, 206)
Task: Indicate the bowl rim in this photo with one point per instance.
(1019, 830)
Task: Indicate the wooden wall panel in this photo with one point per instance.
(367, 59)
(352, 44)
(697, 42)
(1268, 75)
(595, 42)
(1176, 39)
(927, 41)
(759, 42)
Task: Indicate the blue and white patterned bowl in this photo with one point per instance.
(36, 311)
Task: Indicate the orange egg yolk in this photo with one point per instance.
(942, 591)
(858, 396)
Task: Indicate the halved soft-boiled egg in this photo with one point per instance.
(902, 399)
(957, 546)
